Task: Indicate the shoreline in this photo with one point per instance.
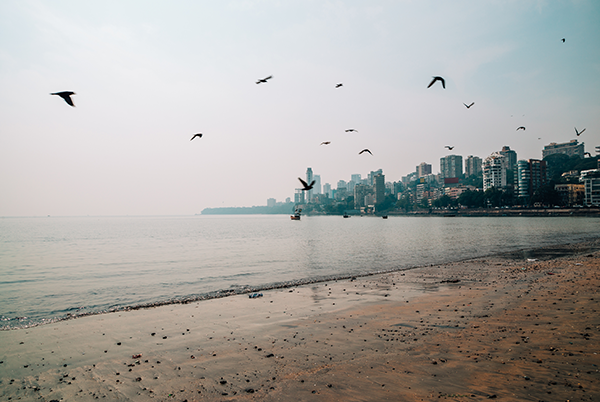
(461, 330)
(246, 290)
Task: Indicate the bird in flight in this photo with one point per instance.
(520, 128)
(469, 106)
(563, 40)
(350, 130)
(326, 143)
(437, 79)
(449, 147)
(339, 85)
(264, 80)
(66, 95)
(306, 185)
(365, 150)
(579, 132)
(199, 135)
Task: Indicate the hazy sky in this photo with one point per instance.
(150, 74)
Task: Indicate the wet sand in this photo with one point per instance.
(500, 328)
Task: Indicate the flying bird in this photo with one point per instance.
(579, 132)
(326, 143)
(339, 85)
(350, 130)
(437, 79)
(520, 128)
(305, 184)
(199, 135)
(563, 40)
(264, 80)
(449, 147)
(66, 95)
(365, 150)
(468, 106)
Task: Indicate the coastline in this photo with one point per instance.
(496, 326)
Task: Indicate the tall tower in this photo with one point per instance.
(451, 166)
(317, 187)
(379, 184)
(532, 174)
(309, 178)
(494, 172)
(473, 166)
(423, 169)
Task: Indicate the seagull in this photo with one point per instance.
(365, 150)
(437, 79)
(563, 40)
(199, 135)
(264, 80)
(579, 132)
(468, 106)
(350, 130)
(339, 85)
(588, 154)
(66, 95)
(305, 184)
(326, 143)
(449, 147)
(520, 128)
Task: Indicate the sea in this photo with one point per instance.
(57, 268)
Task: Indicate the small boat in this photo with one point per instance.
(384, 216)
(346, 215)
(296, 216)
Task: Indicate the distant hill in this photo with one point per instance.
(284, 208)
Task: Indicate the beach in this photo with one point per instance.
(505, 327)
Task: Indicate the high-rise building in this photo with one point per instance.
(591, 181)
(531, 175)
(371, 176)
(317, 187)
(494, 172)
(309, 179)
(379, 188)
(473, 166)
(327, 190)
(299, 196)
(570, 148)
(451, 166)
(360, 192)
(423, 169)
(510, 157)
(271, 202)
(355, 178)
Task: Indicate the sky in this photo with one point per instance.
(150, 74)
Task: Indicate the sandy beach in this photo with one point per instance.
(522, 326)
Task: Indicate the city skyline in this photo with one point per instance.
(148, 76)
(508, 162)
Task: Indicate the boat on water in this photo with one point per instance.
(346, 215)
(296, 216)
(384, 216)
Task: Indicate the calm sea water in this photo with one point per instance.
(53, 267)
